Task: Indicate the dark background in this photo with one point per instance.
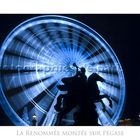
(122, 32)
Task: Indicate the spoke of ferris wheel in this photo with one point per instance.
(104, 115)
(34, 91)
(35, 46)
(52, 34)
(18, 43)
(24, 54)
(44, 101)
(21, 63)
(51, 113)
(14, 80)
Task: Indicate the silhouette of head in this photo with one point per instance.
(74, 64)
(83, 70)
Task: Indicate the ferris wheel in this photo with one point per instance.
(39, 52)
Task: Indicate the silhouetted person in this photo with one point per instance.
(75, 86)
(82, 93)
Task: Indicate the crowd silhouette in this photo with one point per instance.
(82, 92)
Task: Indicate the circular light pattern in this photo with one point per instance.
(38, 53)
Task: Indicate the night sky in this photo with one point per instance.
(122, 32)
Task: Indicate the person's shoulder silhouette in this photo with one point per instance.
(83, 74)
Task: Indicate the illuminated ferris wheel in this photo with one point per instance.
(39, 52)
